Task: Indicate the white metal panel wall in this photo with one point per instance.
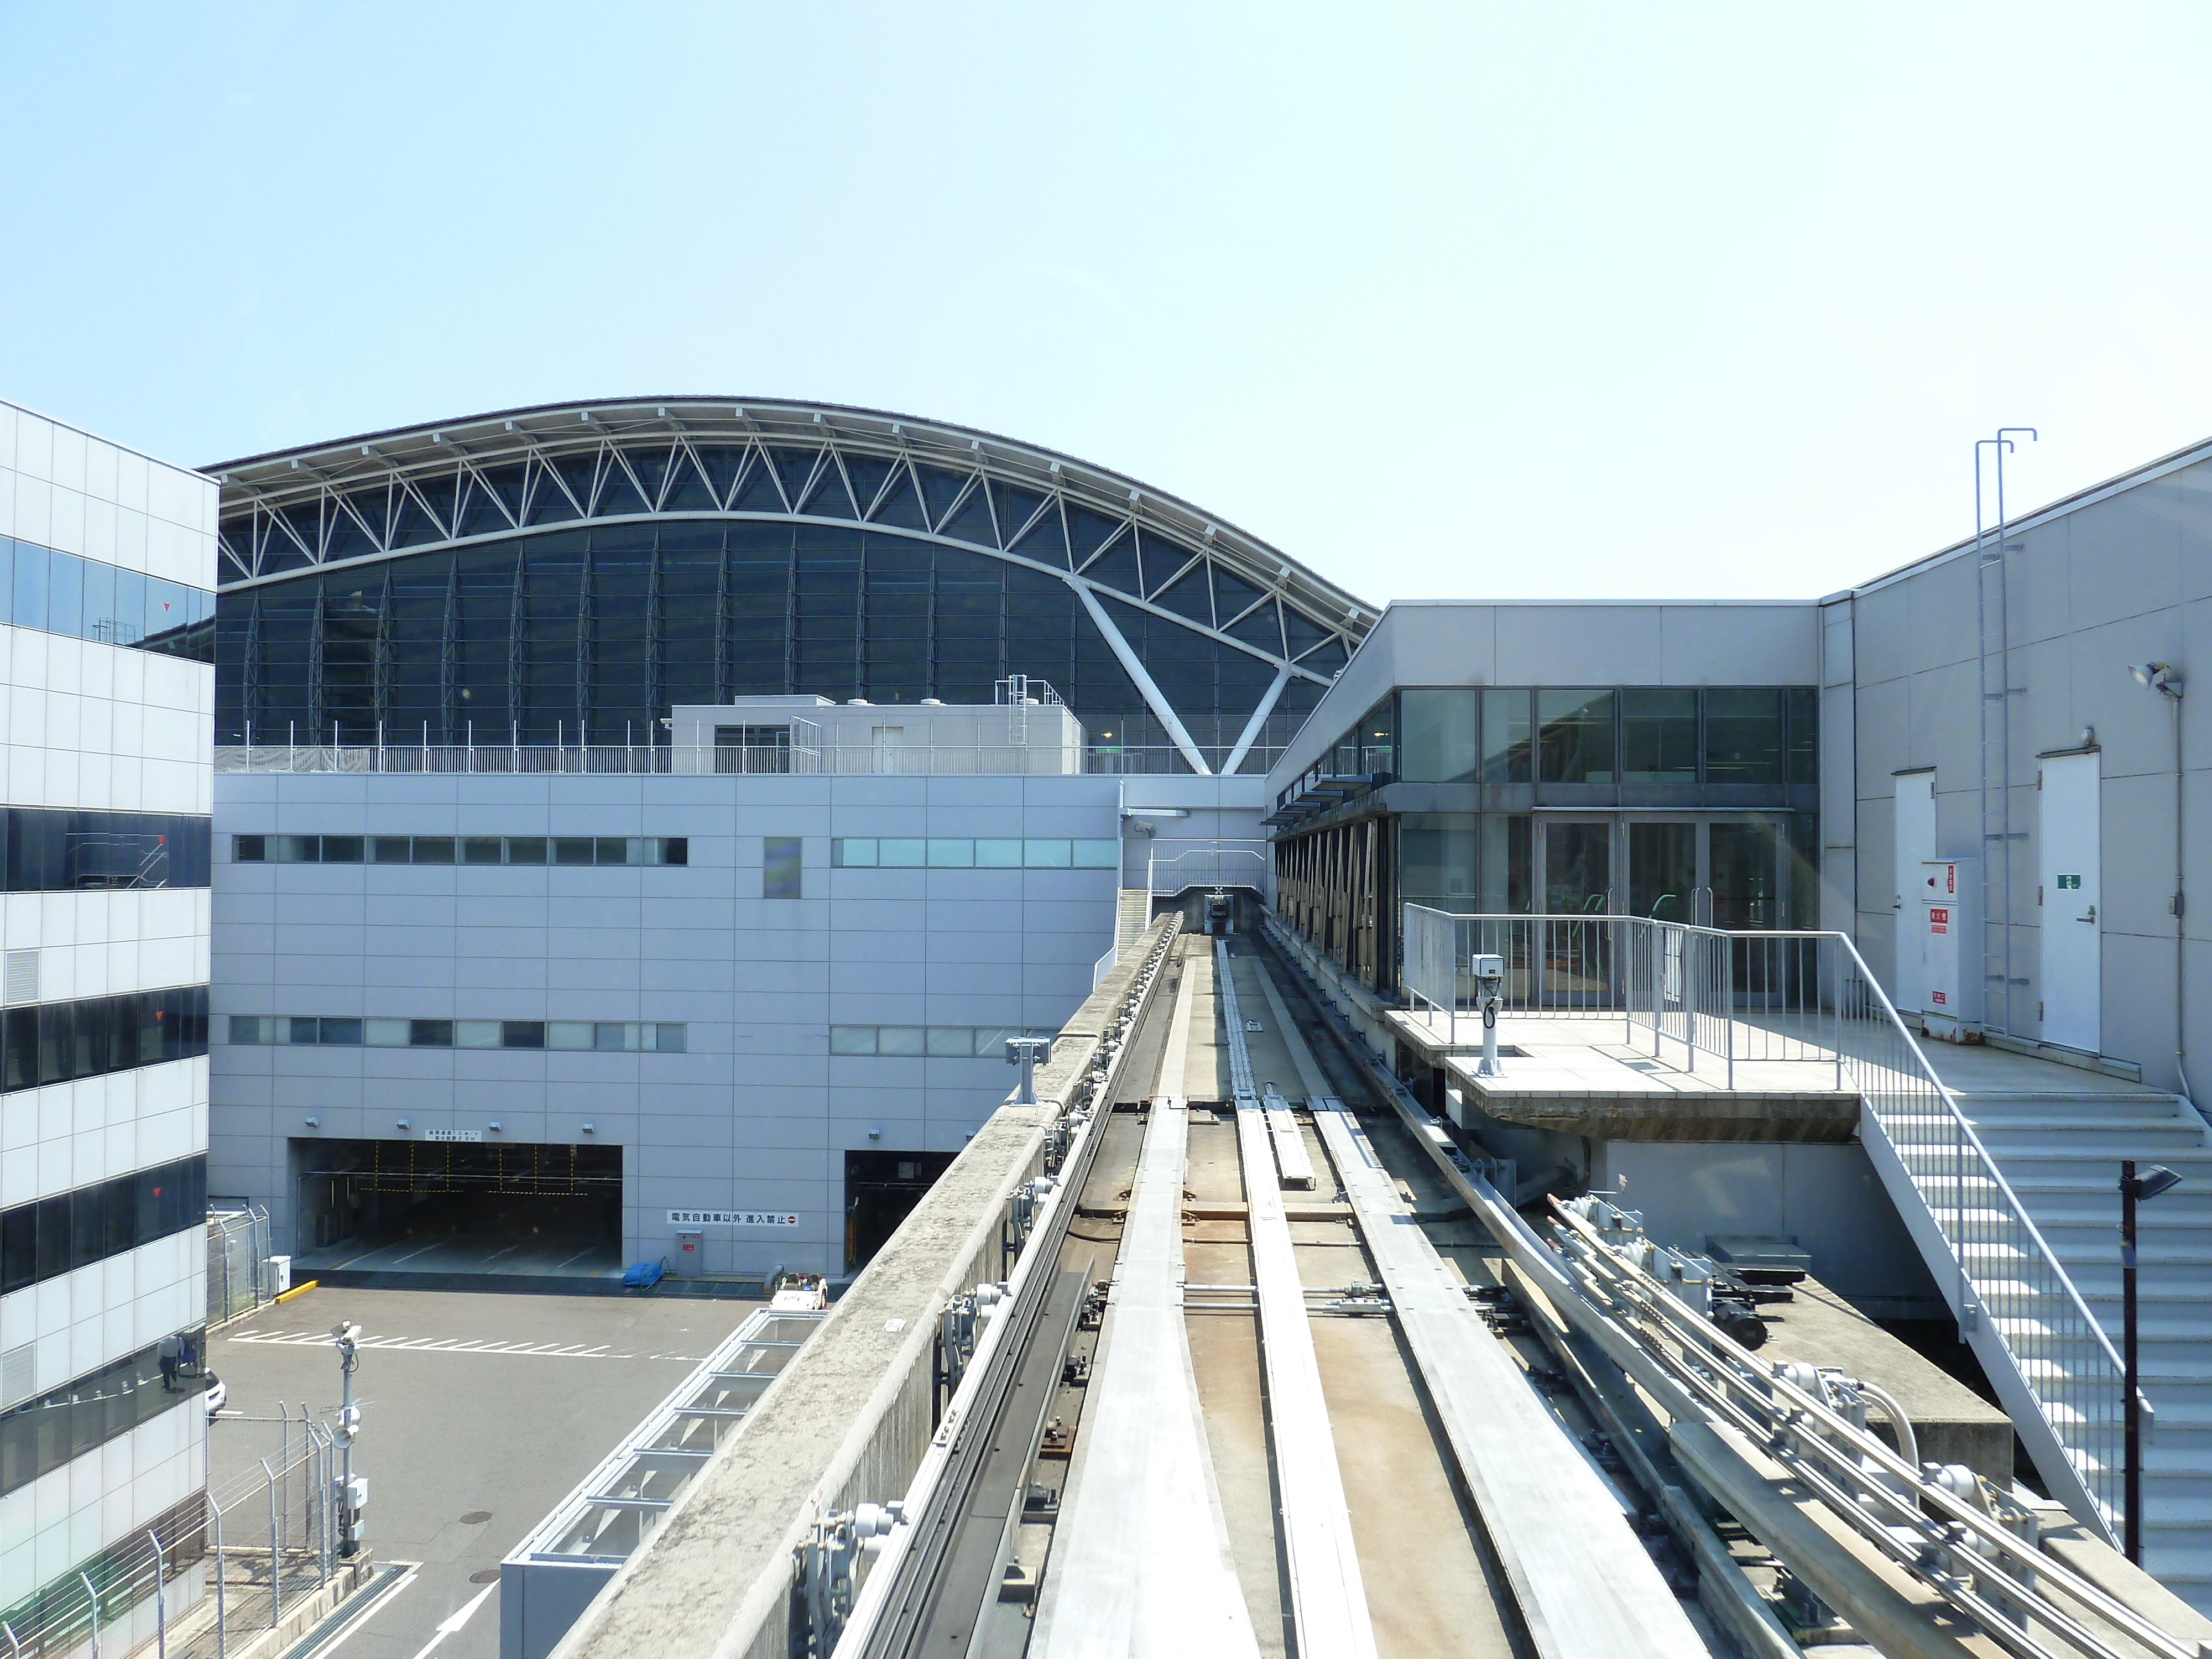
(757, 1113)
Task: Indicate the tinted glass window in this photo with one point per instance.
(1439, 741)
(1508, 745)
(1659, 735)
(1574, 736)
(782, 866)
(1743, 735)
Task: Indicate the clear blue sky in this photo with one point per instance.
(1456, 301)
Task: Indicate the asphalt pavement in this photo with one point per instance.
(467, 1445)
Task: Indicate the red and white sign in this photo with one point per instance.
(1939, 919)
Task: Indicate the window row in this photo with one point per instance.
(42, 1435)
(963, 852)
(49, 1237)
(43, 850)
(56, 1041)
(58, 592)
(1714, 735)
(605, 1036)
(930, 1041)
(461, 849)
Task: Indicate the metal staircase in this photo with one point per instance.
(1132, 915)
(2059, 1152)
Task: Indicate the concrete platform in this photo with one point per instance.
(1578, 1077)
(1954, 1423)
(1592, 1075)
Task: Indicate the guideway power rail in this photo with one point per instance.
(1141, 1559)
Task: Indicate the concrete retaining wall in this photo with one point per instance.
(848, 1420)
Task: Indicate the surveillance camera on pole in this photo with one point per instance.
(352, 1495)
(1489, 974)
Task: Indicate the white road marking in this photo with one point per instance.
(360, 1619)
(453, 1345)
(459, 1619)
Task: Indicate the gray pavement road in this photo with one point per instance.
(453, 1433)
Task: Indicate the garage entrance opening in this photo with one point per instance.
(881, 1189)
(448, 1209)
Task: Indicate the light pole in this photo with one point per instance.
(351, 1496)
(2134, 1189)
(2165, 678)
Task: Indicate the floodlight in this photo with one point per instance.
(2150, 1182)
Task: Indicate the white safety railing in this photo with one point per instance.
(1788, 1009)
(1220, 864)
(899, 760)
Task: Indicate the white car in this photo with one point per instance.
(217, 1392)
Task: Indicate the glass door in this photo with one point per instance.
(1663, 870)
(1745, 867)
(1577, 866)
(1577, 880)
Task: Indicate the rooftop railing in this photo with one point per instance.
(1782, 1008)
(892, 759)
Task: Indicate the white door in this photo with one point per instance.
(887, 740)
(1912, 845)
(2068, 865)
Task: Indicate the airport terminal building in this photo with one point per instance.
(640, 825)
(635, 830)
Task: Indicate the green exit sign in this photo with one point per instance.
(2069, 881)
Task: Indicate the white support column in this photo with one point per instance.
(1146, 687)
(1258, 723)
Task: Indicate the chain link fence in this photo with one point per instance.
(212, 1575)
(239, 1278)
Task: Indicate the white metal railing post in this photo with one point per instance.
(1727, 989)
(92, 1599)
(215, 1531)
(276, 1572)
(160, 1601)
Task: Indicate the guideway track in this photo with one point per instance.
(1145, 1566)
(929, 1593)
(1140, 1550)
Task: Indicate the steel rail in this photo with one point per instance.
(2074, 1457)
(1846, 1449)
(913, 1553)
(1328, 1593)
(1582, 1583)
(1687, 1392)
(1140, 1559)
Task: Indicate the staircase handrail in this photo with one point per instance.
(1988, 1164)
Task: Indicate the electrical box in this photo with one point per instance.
(280, 1274)
(1950, 916)
(690, 1252)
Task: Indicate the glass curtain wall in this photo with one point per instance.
(590, 634)
(1673, 801)
(1751, 740)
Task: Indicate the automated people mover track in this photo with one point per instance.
(1253, 1408)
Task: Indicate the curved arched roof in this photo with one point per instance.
(416, 489)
